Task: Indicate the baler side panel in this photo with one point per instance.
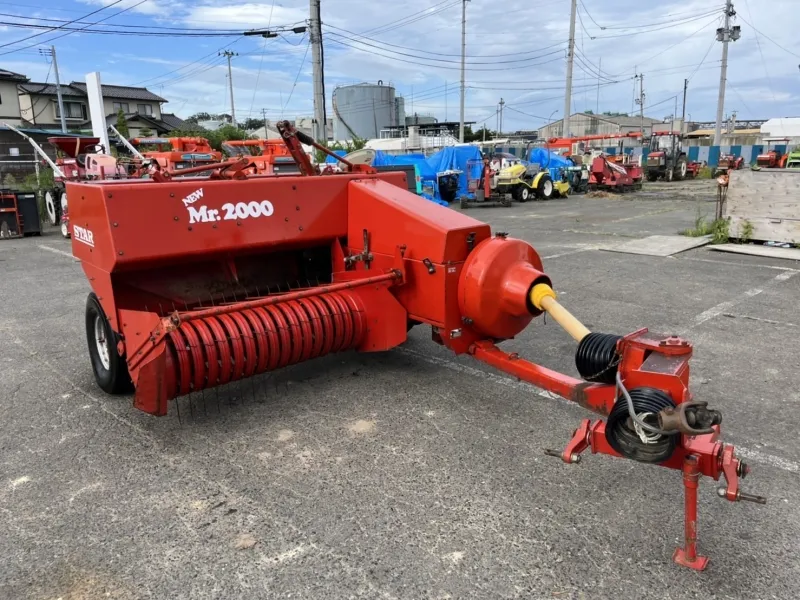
(191, 218)
(394, 217)
(92, 241)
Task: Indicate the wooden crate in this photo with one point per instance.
(769, 200)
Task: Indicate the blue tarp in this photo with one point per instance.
(554, 162)
(455, 158)
(329, 159)
(427, 175)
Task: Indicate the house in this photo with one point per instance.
(582, 124)
(38, 107)
(9, 98)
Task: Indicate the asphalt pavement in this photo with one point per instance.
(409, 474)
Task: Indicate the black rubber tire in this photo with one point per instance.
(540, 189)
(523, 193)
(115, 379)
(669, 174)
(652, 176)
(680, 169)
(624, 439)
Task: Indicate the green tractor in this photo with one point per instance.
(524, 182)
(793, 160)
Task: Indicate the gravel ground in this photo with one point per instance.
(412, 473)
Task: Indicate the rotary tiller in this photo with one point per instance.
(199, 282)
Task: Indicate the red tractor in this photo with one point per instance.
(772, 158)
(667, 160)
(729, 162)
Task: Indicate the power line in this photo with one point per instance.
(441, 53)
(769, 38)
(412, 18)
(296, 77)
(30, 37)
(763, 62)
(493, 62)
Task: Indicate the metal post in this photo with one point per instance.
(640, 102)
(463, 65)
(58, 90)
(570, 58)
(683, 113)
(315, 36)
(687, 556)
(500, 129)
(724, 36)
(228, 54)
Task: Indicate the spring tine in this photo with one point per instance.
(203, 396)
(178, 408)
(160, 310)
(191, 406)
(257, 291)
(173, 306)
(233, 291)
(210, 295)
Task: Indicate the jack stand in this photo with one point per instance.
(687, 556)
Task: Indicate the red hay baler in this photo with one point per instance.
(198, 282)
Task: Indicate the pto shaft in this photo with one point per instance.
(543, 297)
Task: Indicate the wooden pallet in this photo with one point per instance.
(769, 200)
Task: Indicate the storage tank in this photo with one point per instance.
(362, 110)
(400, 110)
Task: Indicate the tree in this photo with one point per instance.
(122, 124)
(611, 113)
(252, 124)
(348, 146)
(215, 138)
(145, 132)
(477, 136)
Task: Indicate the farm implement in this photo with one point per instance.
(240, 274)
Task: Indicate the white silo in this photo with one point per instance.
(362, 110)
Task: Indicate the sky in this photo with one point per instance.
(516, 50)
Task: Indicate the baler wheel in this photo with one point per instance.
(110, 369)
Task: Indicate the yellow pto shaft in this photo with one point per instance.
(543, 297)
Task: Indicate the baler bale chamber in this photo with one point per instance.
(198, 282)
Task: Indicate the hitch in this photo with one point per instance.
(695, 456)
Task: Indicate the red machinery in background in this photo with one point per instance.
(178, 153)
(605, 174)
(575, 146)
(271, 156)
(239, 275)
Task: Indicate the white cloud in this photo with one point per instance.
(423, 55)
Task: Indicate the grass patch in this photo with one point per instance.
(705, 172)
(719, 230)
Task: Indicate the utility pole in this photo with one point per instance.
(683, 112)
(463, 63)
(724, 34)
(51, 52)
(500, 128)
(640, 102)
(315, 36)
(264, 115)
(228, 54)
(570, 58)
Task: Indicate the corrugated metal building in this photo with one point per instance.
(581, 124)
